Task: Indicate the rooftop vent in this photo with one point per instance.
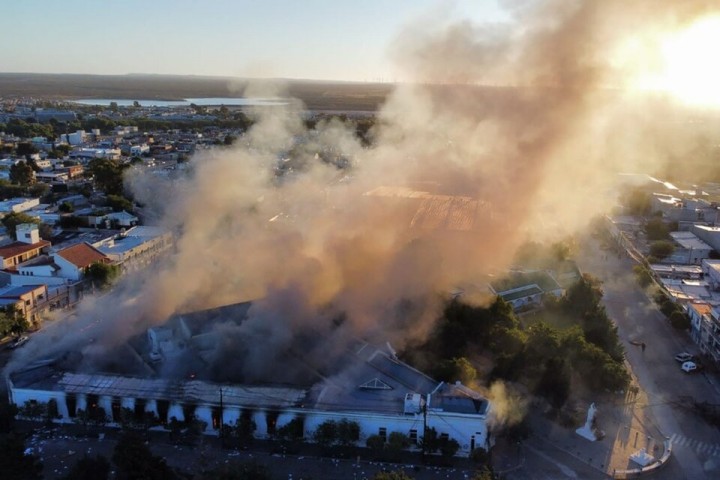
(375, 384)
(413, 403)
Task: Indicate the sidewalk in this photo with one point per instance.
(627, 430)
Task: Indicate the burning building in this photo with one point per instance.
(172, 374)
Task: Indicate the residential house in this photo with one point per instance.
(136, 247)
(74, 261)
(705, 329)
(526, 290)
(30, 301)
(28, 245)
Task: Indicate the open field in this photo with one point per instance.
(316, 95)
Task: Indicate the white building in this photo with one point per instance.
(694, 250)
(376, 390)
(137, 247)
(17, 205)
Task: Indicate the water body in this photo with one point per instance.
(105, 102)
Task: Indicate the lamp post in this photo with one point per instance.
(221, 413)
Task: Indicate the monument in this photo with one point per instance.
(587, 430)
(642, 458)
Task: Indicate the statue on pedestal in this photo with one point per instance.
(588, 431)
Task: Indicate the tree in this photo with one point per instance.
(229, 140)
(12, 321)
(241, 434)
(326, 433)
(107, 175)
(101, 275)
(22, 174)
(375, 443)
(13, 219)
(136, 104)
(66, 207)
(661, 249)
(238, 471)
(25, 149)
(643, 275)
(89, 468)
(8, 411)
(397, 442)
(134, 460)
(114, 107)
(348, 432)
(394, 475)
(656, 229)
(456, 369)
(14, 463)
(119, 203)
(679, 320)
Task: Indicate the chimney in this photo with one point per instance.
(27, 233)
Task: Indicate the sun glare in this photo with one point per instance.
(690, 70)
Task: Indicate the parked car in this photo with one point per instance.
(689, 367)
(19, 341)
(684, 357)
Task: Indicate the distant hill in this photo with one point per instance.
(317, 95)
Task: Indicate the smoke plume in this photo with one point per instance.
(506, 131)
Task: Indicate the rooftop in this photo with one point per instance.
(18, 248)
(82, 255)
(689, 241)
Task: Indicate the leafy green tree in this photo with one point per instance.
(375, 443)
(13, 219)
(643, 275)
(22, 174)
(25, 149)
(456, 369)
(134, 460)
(661, 249)
(102, 275)
(14, 463)
(241, 434)
(394, 475)
(238, 471)
(679, 320)
(107, 175)
(12, 321)
(119, 203)
(293, 430)
(656, 229)
(8, 411)
(348, 432)
(326, 434)
(89, 468)
(66, 207)
(637, 202)
(114, 107)
(397, 442)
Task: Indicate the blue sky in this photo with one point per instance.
(323, 39)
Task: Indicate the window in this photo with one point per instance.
(413, 436)
(383, 433)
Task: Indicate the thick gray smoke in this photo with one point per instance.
(459, 175)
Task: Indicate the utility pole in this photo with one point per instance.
(221, 413)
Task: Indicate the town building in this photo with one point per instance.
(27, 246)
(378, 391)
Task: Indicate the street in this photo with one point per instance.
(696, 444)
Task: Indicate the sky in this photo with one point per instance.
(317, 39)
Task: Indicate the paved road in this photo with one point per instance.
(697, 445)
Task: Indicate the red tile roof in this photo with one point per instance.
(83, 255)
(18, 248)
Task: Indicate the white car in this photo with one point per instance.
(683, 357)
(19, 341)
(688, 367)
